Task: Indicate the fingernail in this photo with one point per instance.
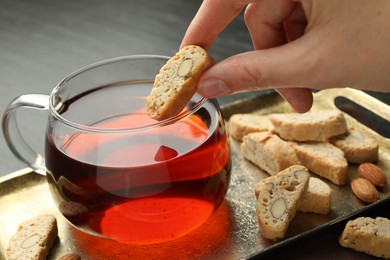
(211, 88)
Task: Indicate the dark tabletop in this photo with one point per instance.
(42, 41)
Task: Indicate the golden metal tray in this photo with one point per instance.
(232, 232)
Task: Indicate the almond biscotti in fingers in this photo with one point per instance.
(176, 82)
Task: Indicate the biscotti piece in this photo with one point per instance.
(317, 198)
(268, 152)
(311, 126)
(278, 198)
(368, 235)
(357, 147)
(243, 124)
(34, 238)
(323, 159)
(176, 82)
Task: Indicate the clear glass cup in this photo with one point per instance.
(112, 170)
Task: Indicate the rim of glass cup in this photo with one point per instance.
(86, 128)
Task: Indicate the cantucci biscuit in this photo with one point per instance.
(34, 238)
(243, 124)
(323, 159)
(316, 198)
(176, 82)
(311, 126)
(268, 152)
(357, 147)
(368, 235)
(278, 198)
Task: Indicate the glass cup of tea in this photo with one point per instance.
(115, 172)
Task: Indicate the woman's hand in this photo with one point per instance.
(298, 45)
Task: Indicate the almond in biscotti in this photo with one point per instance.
(34, 238)
(176, 82)
(278, 208)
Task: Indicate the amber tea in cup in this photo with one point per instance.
(115, 172)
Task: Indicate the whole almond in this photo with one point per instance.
(373, 173)
(365, 190)
(70, 257)
(185, 67)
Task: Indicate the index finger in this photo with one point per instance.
(210, 20)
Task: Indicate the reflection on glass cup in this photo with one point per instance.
(112, 170)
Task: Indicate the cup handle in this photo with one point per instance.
(14, 138)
